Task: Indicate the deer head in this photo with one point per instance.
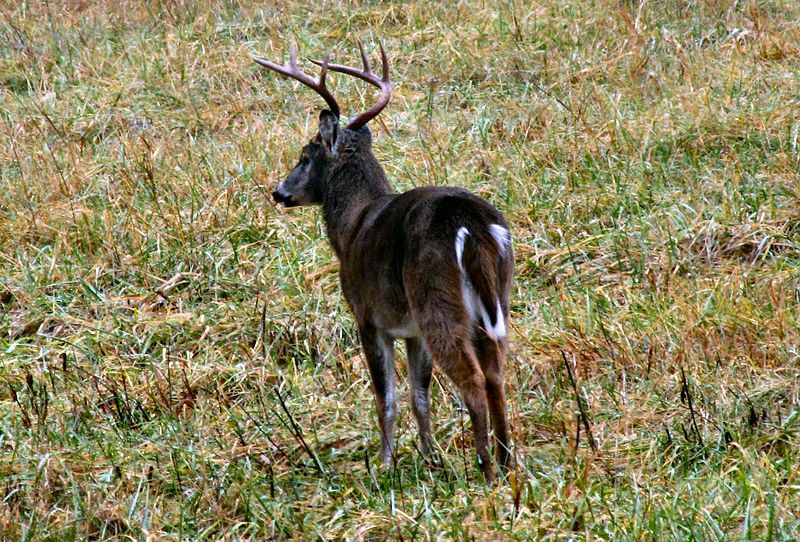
(306, 182)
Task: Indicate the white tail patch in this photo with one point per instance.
(461, 236)
(503, 238)
(501, 235)
(498, 330)
(500, 327)
(472, 302)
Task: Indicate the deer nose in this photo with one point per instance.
(284, 199)
(278, 197)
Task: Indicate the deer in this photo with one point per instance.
(432, 266)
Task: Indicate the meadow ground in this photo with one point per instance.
(177, 362)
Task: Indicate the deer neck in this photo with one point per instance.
(351, 189)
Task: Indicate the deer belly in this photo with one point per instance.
(406, 329)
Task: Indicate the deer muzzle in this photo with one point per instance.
(284, 199)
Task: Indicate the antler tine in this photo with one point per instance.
(364, 59)
(293, 55)
(385, 64)
(293, 71)
(324, 71)
(383, 83)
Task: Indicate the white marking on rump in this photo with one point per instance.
(461, 236)
(472, 302)
(470, 297)
(501, 235)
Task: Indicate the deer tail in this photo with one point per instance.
(480, 255)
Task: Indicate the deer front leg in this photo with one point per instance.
(420, 367)
(379, 351)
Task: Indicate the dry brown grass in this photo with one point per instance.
(176, 359)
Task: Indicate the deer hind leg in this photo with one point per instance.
(379, 351)
(420, 367)
(491, 354)
(449, 344)
(462, 367)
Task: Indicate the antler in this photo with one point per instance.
(294, 72)
(366, 75)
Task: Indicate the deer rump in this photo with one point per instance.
(437, 250)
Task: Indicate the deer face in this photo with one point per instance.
(305, 184)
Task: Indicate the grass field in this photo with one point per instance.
(176, 358)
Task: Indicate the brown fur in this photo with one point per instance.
(399, 269)
(400, 275)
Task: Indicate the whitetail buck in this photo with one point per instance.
(432, 266)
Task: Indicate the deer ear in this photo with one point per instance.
(328, 129)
